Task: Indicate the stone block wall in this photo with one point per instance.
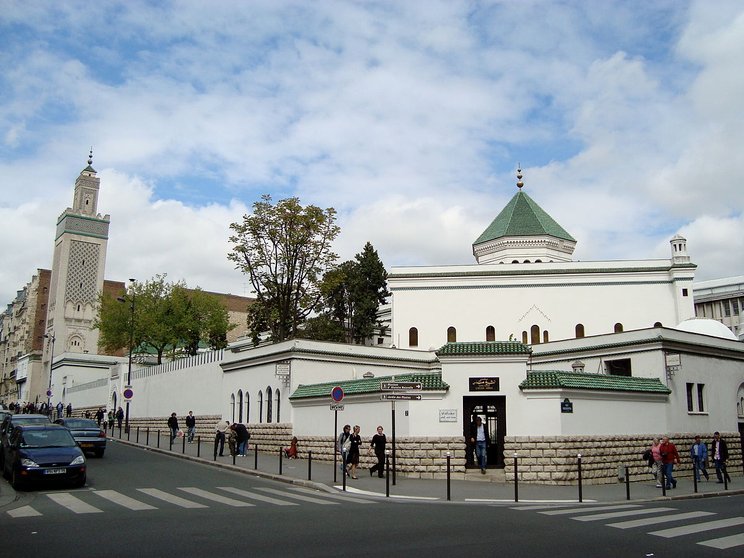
(554, 459)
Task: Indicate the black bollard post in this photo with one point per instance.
(170, 441)
(387, 473)
(255, 456)
(216, 444)
(137, 439)
(724, 471)
(343, 473)
(281, 453)
(516, 479)
(147, 436)
(663, 480)
(448, 476)
(158, 439)
(129, 433)
(183, 444)
(694, 478)
(581, 498)
(310, 465)
(627, 483)
(198, 446)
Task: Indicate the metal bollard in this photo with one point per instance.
(255, 456)
(198, 446)
(147, 437)
(724, 471)
(183, 444)
(663, 480)
(581, 498)
(310, 465)
(137, 439)
(343, 473)
(387, 473)
(694, 478)
(281, 454)
(233, 456)
(216, 444)
(516, 479)
(627, 483)
(448, 477)
(158, 439)
(129, 433)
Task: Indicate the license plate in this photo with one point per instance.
(86, 445)
(55, 471)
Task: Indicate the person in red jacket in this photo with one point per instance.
(669, 457)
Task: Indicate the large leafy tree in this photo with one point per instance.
(161, 317)
(352, 293)
(285, 249)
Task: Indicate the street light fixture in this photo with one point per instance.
(131, 346)
(51, 338)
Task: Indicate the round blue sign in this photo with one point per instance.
(49, 393)
(128, 393)
(337, 394)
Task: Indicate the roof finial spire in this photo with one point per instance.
(90, 156)
(519, 176)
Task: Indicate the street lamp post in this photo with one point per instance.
(131, 346)
(51, 338)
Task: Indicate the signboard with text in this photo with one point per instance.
(483, 384)
(399, 396)
(392, 386)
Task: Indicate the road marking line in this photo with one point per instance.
(699, 527)
(333, 496)
(661, 519)
(72, 503)
(725, 542)
(611, 515)
(123, 500)
(530, 507)
(298, 497)
(381, 495)
(171, 498)
(566, 511)
(259, 497)
(216, 497)
(23, 511)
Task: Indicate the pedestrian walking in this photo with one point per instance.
(378, 443)
(173, 426)
(99, 416)
(356, 442)
(343, 445)
(111, 419)
(479, 437)
(60, 409)
(119, 416)
(699, 455)
(191, 426)
(719, 454)
(69, 410)
(232, 439)
(669, 456)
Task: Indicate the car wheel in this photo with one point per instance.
(15, 482)
(99, 452)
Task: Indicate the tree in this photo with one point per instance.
(285, 249)
(166, 317)
(352, 293)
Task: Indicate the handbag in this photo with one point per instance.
(346, 445)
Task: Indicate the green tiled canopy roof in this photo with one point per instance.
(431, 382)
(552, 379)
(484, 348)
(523, 217)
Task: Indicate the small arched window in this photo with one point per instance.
(247, 407)
(657, 324)
(618, 327)
(515, 261)
(579, 331)
(240, 406)
(451, 335)
(260, 406)
(232, 407)
(524, 337)
(277, 397)
(490, 333)
(546, 337)
(269, 404)
(413, 337)
(535, 334)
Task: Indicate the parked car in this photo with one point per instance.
(87, 434)
(13, 420)
(39, 454)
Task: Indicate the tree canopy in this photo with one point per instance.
(162, 317)
(285, 249)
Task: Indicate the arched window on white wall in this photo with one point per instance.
(240, 405)
(247, 407)
(260, 406)
(232, 407)
(278, 399)
(490, 333)
(268, 404)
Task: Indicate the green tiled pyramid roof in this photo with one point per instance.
(552, 379)
(523, 217)
(431, 382)
(484, 348)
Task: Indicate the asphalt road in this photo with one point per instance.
(140, 504)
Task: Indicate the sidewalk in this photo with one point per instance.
(319, 475)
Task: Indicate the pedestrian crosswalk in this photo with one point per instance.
(637, 516)
(186, 497)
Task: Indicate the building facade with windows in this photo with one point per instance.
(722, 300)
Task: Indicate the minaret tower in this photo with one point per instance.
(77, 272)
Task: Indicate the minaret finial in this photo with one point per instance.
(90, 156)
(519, 176)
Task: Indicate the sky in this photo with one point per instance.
(409, 117)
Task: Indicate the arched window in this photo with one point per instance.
(546, 337)
(277, 396)
(240, 406)
(618, 327)
(260, 406)
(535, 335)
(413, 337)
(515, 261)
(268, 404)
(247, 407)
(524, 337)
(657, 324)
(490, 333)
(579, 331)
(232, 407)
(451, 335)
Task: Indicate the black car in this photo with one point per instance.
(40, 454)
(13, 420)
(87, 434)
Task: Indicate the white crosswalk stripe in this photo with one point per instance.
(73, 503)
(725, 542)
(216, 497)
(333, 496)
(171, 498)
(626, 513)
(699, 527)
(23, 511)
(591, 509)
(123, 500)
(299, 497)
(259, 497)
(660, 519)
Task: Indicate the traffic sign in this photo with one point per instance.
(49, 393)
(407, 396)
(337, 394)
(337, 407)
(392, 386)
(128, 393)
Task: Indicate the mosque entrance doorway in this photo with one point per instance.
(492, 411)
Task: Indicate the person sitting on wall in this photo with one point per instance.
(291, 451)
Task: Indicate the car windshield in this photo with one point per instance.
(20, 419)
(80, 423)
(47, 439)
